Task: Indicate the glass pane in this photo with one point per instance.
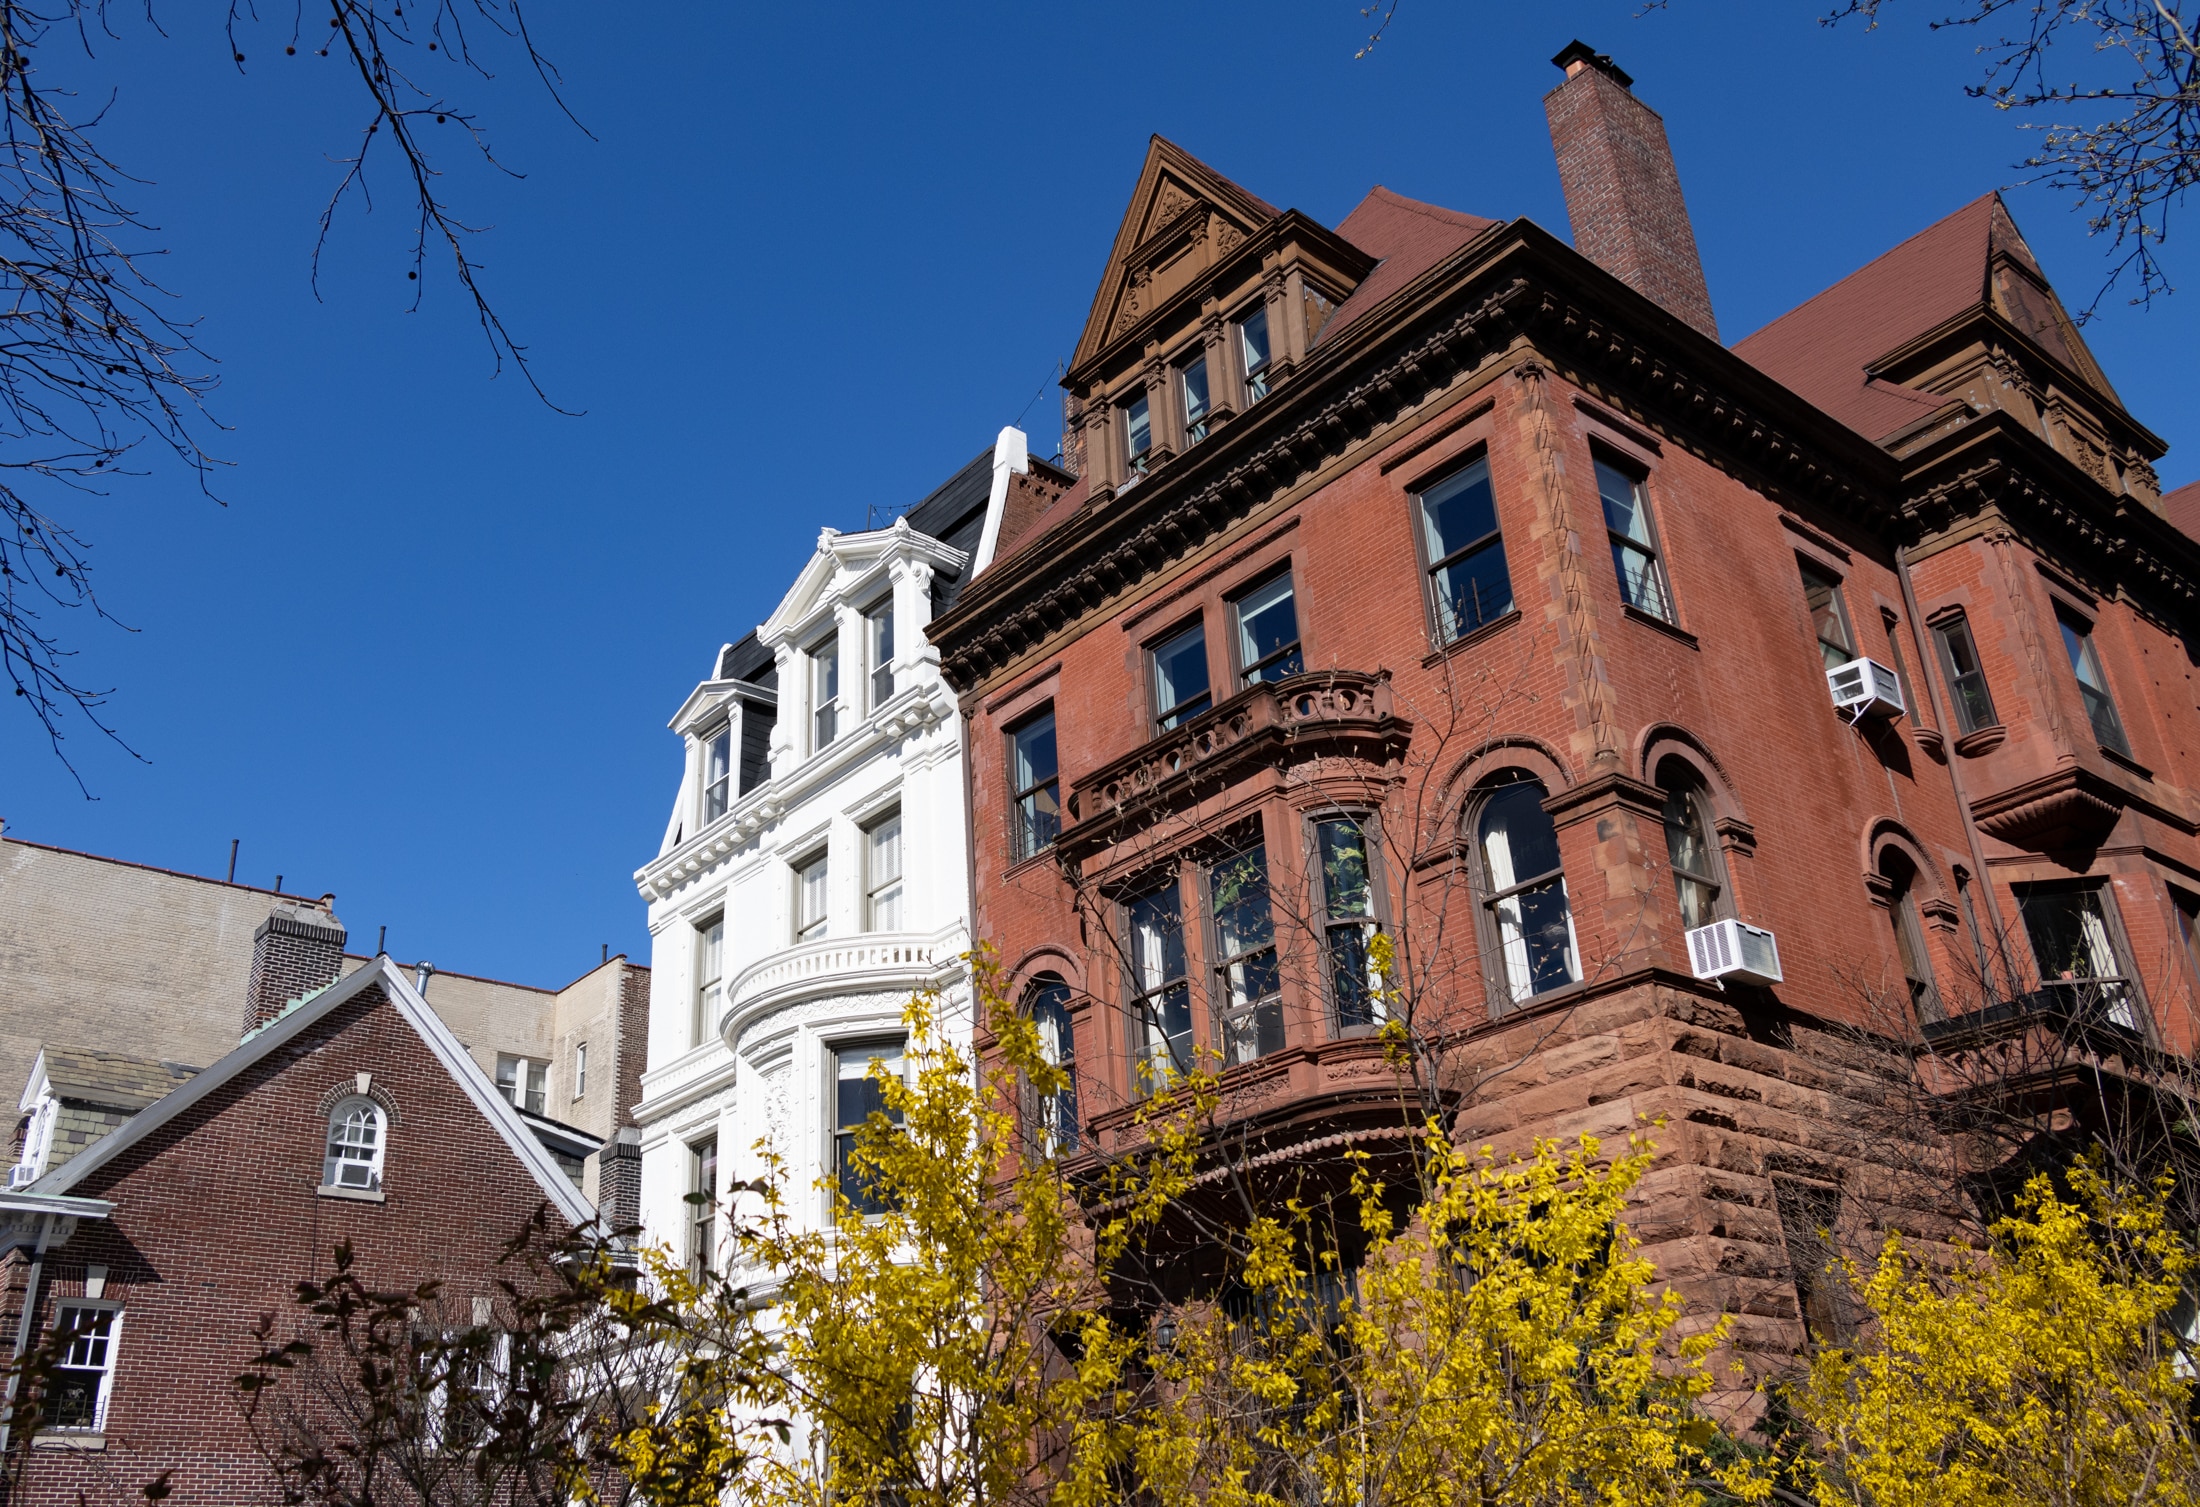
(1823, 599)
(1039, 818)
(1519, 842)
(882, 633)
(717, 764)
(1166, 1019)
(1536, 933)
(1243, 920)
(1195, 393)
(1267, 621)
(72, 1398)
(2069, 934)
(1033, 746)
(1473, 590)
(1180, 677)
(1350, 983)
(810, 901)
(1139, 427)
(886, 852)
(1966, 677)
(1157, 938)
(1699, 901)
(1641, 582)
(1458, 511)
(826, 659)
(1624, 512)
(1251, 1034)
(1342, 846)
(1253, 347)
(2100, 709)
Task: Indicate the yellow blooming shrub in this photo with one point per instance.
(2045, 1371)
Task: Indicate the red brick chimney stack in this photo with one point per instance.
(298, 950)
(1623, 194)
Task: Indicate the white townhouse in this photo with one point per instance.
(814, 873)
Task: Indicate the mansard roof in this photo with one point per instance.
(270, 1042)
(1832, 348)
(1176, 193)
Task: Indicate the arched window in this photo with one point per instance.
(1698, 878)
(1524, 890)
(357, 1133)
(1054, 1117)
(1909, 937)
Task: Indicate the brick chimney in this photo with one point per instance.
(298, 949)
(1623, 194)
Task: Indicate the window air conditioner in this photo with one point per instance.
(1865, 688)
(1732, 950)
(22, 1175)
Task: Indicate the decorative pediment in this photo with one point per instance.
(841, 561)
(1183, 218)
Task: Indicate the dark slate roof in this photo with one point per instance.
(110, 1078)
(746, 659)
(955, 515)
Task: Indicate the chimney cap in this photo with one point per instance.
(1580, 52)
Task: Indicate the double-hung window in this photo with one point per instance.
(1909, 935)
(1829, 618)
(1531, 921)
(710, 977)
(825, 692)
(1249, 987)
(1347, 908)
(1267, 619)
(580, 1070)
(1959, 661)
(2075, 944)
(1468, 582)
(1192, 382)
(717, 771)
(859, 1094)
(1138, 433)
(524, 1082)
(2085, 663)
(1252, 334)
(703, 1206)
(78, 1388)
(1161, 995)
(809, 899)
(1179, 667)
(1036, 774)
(878, 626)
(1688, 846)
(882, 877)
(1642, 583)
(1056, 1127)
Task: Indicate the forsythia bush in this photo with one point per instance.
(2044, 1372)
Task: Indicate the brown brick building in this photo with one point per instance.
(1431, 576)
(357, 1116)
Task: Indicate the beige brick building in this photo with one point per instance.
(122, 974)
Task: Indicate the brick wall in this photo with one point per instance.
(298, 950)
(218, 1218)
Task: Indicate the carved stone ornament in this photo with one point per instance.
(1172, 203)
(1227, 236)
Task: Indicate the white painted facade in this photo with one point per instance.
(765, 1069)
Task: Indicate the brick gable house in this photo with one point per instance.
(356, 1116)
(1433, 577)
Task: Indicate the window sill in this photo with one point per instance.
(1488, 630)
(86, 1439)
(356, 1195)
(1635, 614)
(1018, 866)
(2126, 761)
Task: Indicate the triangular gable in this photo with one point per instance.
(303, 1017)
(2020, 293)
(1180, 203)
(854, 553)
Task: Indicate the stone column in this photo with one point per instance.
(789, 729)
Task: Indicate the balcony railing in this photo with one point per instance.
(859, 964)
(1327, 712)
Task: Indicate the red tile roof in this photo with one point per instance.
(2183, 508)
(1820, 350)
(1409, 236)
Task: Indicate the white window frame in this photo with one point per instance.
(887, 888)
(580, 1070)
(331, 1176)
(717, 792)
(113, 1339)
(825, 711)
(531, 1076)
(815, 928)
(878, 624)
(710, 979)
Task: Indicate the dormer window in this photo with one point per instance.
(1193, 381)
(879, 628)
(717, 771)
(825, 691)
(1253, 349)
(1138, 432)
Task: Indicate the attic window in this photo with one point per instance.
(1193, 380)
(356, 1141)
(1138, 432)
(1253, 349)
(717, 767)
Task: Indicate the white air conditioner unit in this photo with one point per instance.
(1733, 950)
(22, 1175)
(1865, 688)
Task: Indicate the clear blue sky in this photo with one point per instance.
(813, 260)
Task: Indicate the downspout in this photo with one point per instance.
(1955, 775)
(23, 1330)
